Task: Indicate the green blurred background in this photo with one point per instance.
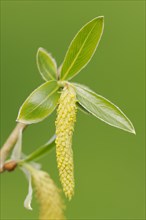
(109, 163)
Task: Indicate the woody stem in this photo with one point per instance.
(9, 144)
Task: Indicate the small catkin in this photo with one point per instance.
(66, 117)
(48, 196)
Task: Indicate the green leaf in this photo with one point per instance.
(40, 151)
(102, 108)
(82, 48)
(82, 109)
(40, 104)
(46, 65)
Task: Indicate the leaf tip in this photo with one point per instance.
(41, 49)
(102, 22)
(101, 18)
(133, 131)
(131, 128)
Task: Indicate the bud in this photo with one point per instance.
(66, 117)
(48, 195)
(10, 166)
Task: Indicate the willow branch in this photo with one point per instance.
(9, 144)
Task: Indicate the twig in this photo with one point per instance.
(9, 144)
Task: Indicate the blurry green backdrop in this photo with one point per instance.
(109, 163)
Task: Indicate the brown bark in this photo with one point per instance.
(9, 144)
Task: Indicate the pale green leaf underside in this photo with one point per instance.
(46, 65)
(82, 109)
(28, 199)
(40, 104)
(82, 48)
(102, 108)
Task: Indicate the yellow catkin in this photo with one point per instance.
(66, 117)
(48, 195)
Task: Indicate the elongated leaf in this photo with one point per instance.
(82, 48)
(102, 108)
(40, 151)
(40, 103)
(82, 109)
(46, 65)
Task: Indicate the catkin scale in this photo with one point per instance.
(66, 117)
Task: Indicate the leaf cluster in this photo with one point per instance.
(43, 100)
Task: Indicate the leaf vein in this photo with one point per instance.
(78, 53)
(42, 102)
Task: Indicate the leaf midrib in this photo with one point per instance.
(42, 101)
(49, 74)
(78, 53)
(46, 70)
(94, 105)
(124, 116)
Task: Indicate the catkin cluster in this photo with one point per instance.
(51, 205)
(66, 117)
